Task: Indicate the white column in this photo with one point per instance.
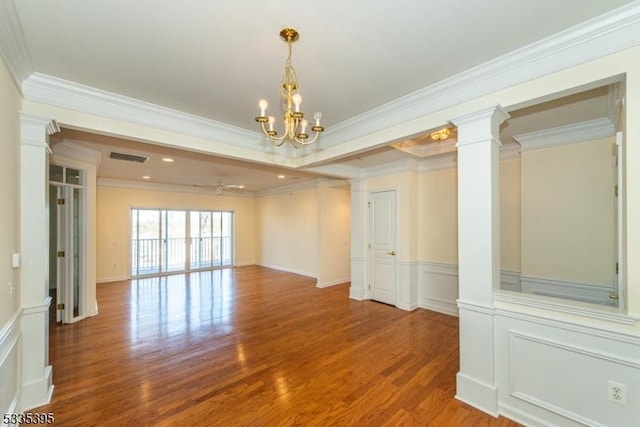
(358, 241)
(34, 273)
(478, 253)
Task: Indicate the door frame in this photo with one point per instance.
(64, 235)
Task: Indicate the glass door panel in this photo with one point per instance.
(201, 240)
(146, 251)
(175, 241)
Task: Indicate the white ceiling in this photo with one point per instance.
(216, 59)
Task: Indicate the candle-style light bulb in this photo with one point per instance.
(263, 104)
(297, 100)
(303, 126)
(271, 121)
(317, 116)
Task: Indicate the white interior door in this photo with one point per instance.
(382, 220)
(66, 210)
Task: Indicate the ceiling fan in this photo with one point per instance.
(221, 186)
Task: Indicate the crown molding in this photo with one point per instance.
(604, 35)
(72, 150)
(510, 151)
(13, 46)
(569, 134)
(337, 170)
(437, 163)
(77, 97)
(154, 186)
(299, 186)
(399, 166)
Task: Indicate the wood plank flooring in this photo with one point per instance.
(252, 346)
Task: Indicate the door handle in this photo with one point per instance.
(392, 253)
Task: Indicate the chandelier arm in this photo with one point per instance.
(273, 138)
(308, 141)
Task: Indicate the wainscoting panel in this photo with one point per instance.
(554, 371)
(438, 287)
(9, 362)
(407, 285)
(576, 291)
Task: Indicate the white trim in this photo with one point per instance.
(155, 186)
(13, 46)
(399, 166)
(72, 150)
(113, 279)
(35, 309)
(436, 163)
(510, 151)
(10, 336)
(477, 308)
(288, 270)
(86, 99)
(305, 185)
(608, 314)
(476, 393)
(578, 350)
(520, 416)
(594, 294)
(440, 305)
(510, 280)
(577, 132)
(333, 283)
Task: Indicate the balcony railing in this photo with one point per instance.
(151, 256)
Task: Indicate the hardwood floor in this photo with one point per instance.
(257, 347)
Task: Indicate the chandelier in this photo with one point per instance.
(440, 135)
(295, 125)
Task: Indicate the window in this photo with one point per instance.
(165, 241)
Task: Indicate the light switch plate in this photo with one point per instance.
(15, 260)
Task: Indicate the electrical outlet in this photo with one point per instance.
(617, 393)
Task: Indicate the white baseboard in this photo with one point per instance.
(440, 305)
(356, 293)
(477, 394)
(289, 270)
(113, 279)
(38, 393)
(333, 283)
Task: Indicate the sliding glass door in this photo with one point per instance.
(159, 242)
(210, 239)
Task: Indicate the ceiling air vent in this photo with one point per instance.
(128, 157)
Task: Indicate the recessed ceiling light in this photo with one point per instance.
(146, 177)
(241, 187)
(281, 176)
(168, 159)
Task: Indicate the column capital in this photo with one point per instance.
(472, 127)
(35, 130)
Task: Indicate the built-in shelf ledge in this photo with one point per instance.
(579, 308)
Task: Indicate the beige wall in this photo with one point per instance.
(510, 214)
(10, 103)
(287, 231)
(438, 213)
(334, 233)
(113, 228)
(568, 212)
